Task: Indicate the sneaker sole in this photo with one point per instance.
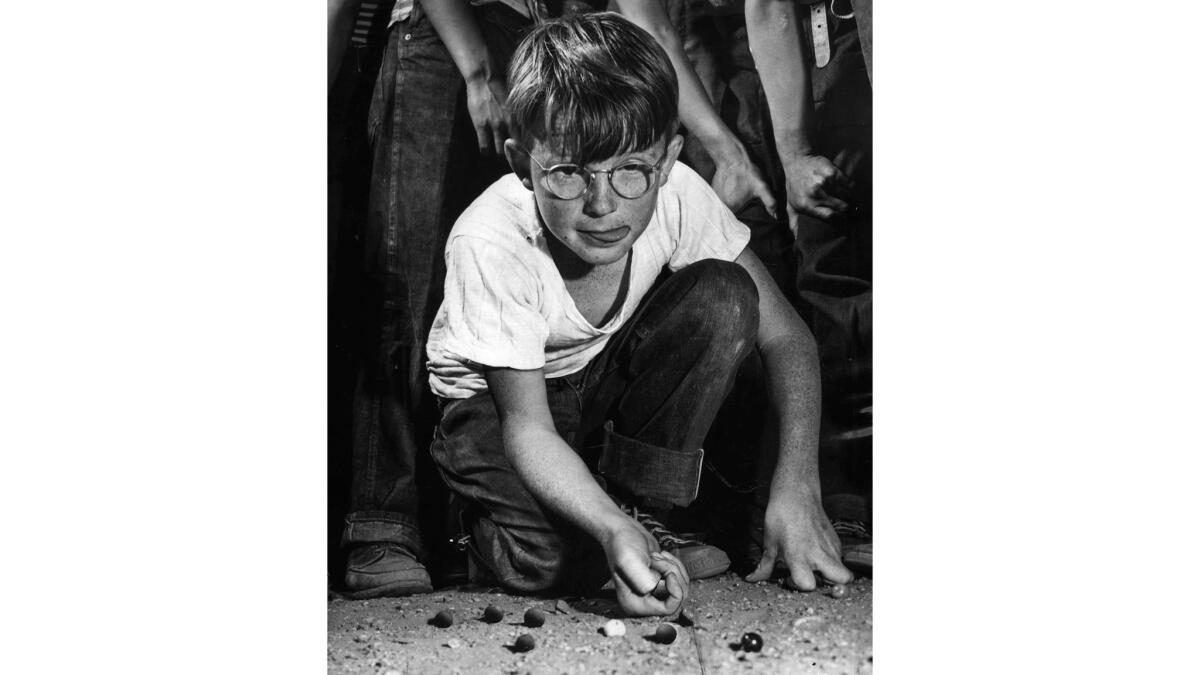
(395, 589)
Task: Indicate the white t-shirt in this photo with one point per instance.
(506, 305)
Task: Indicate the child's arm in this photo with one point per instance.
(736, 180)
(815, 187)
(797, 529)
(341, 25)
(487, 91)
(561, 481)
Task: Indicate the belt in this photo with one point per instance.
(820, 27)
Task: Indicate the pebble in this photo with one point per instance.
(534, 617)
(614, 628)
(524, 643)
(752, 642)
(362, 637)
(443, 619)
(562, 606)
(665, 634)
(837, 591)
(453, 643)
(493, 614)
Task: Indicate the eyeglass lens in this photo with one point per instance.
(629, 181)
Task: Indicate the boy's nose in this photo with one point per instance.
(600, 199)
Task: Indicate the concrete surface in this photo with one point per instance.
(801, 632)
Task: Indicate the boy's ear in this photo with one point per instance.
(519, 161)
(674, 147)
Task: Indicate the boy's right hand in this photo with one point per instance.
(485, 103)
(637, 567)
(816, 187)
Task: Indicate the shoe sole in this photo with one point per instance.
(394, 590)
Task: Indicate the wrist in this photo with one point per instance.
(725, 149)
(610, 521)
(478, 72)
(794, 490)
(794, 146)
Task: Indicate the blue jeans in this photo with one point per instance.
(636, 415)
(426, 169)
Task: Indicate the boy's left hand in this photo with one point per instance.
(738, 181)
(798, 532)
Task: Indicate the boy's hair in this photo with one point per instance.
(593, 85)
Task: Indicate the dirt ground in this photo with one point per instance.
(801, 633)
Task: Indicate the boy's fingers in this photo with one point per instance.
(636, 574)
(499, 134)
(822, 212)
(768, 200)
(834, 571)
(483, 140)
(839, 184)
(669, 563)
(676, 586)
(765, 567)
(802, 578)
(839, 207)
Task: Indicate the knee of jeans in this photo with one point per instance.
(523, 562)
(536, 570)
(728, 302)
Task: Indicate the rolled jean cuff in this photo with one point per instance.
(370, 527)
(650, 471)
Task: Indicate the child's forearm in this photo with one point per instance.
(792, 369)
(560, 480)
(695, 109)
(341, 25)
(455, 23)
(773, 29)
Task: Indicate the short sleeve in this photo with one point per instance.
(706, 227)
(491, 307)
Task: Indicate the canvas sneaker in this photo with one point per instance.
(701, 560)
(856, 545)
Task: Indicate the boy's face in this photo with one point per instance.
(600, 225)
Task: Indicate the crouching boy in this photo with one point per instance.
(575, 388)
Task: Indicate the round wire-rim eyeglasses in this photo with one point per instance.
(575, 191)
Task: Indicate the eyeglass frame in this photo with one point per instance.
(591, 175)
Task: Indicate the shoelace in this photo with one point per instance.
(851, 528)
(665, 538)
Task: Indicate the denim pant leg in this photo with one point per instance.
(524, 547)
(834, 279)
(425, 171)
(652, 394)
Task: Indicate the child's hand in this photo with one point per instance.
(485, 103)
(738, 181)
(816, 187)
(798, 532)
(637, 567)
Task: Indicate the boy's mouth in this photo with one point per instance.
(607, 236)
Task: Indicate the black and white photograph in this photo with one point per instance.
(600, 336)
(541, 336)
